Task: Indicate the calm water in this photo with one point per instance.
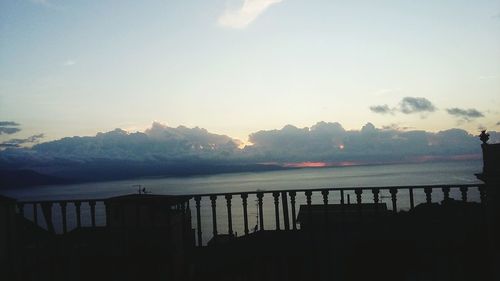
(377, 175)
(354, 176)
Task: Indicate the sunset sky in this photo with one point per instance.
(235, 67)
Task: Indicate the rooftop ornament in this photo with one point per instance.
(484, 137)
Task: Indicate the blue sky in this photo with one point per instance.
(235, 67)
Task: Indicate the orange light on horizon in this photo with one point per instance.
(306, 164)
(347, 163)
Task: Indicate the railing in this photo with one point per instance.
(274, 209)
(83, 212)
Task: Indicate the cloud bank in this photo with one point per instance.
(164, 150)
(241, 17)
(330, 142)
(157, 143)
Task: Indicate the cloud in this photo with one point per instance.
(8, 127)
(408, 105)
(486, 77)
(411, 105)
(324, 141)
(241, 17)
(69, 62)
(164, 150)
(465, 114)
(395, 126)
(368, 145)
(155, 143)
(382, 109)
(8, 123)
(14, 143)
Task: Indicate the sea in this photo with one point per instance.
(414, 174)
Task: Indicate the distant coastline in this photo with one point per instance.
(15, 178)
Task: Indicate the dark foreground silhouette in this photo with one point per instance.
(151, 237)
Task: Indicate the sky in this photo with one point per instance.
(234, 67)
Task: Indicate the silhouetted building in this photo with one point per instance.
(491, 177)
(332, 215)
(8, 233)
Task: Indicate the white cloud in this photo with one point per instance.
(69, 62)
(487, 77)
(244, 15)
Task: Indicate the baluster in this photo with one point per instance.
(229, 216)
(394, 192)
(244, 197)
(108, 214)
(284, 202)
(35, 213)
(260, 195)
(292, 202)
(358, 192)
(428, 195)
(63, 214)
(324, 193)
(213, 199)
(309, 208)
(92, 212)
(47, 214)
(464, 190)
(197, 200)
(341, 197)
(446, 193)
(376, 192)
(376, 199)
(482, 194)
(276, 196)
(20, 207)
(412, 202)
(78, 204)
(308, 197)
